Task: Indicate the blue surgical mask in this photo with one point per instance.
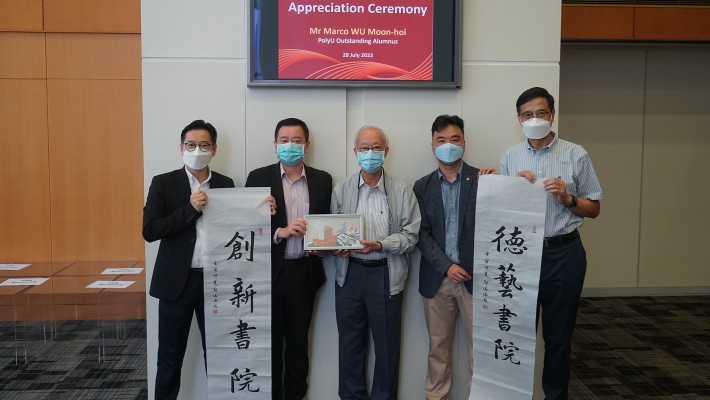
(448, 153)
(290, 153)
(371, 160)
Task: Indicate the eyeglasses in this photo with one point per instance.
(366, 149)
(542, 114)
(191, 146)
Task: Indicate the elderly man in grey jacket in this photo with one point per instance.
(370, 281)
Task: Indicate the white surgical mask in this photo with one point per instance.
(197, 159)
(536, 128)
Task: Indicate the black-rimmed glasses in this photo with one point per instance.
(542, 114)
(191, 146)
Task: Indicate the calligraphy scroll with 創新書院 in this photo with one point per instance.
(237, 272)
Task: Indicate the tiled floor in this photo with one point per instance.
(624, 348)
(642, 348)
(68, 366)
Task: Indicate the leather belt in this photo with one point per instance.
(561, 239)
(292, 262)
(369, 263)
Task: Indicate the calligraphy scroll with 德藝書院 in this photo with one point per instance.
(510, 227)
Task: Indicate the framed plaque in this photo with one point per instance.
(333, 232)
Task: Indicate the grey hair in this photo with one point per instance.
(373, 128)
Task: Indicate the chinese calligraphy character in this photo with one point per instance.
(504, 315)
(236, 244)
(242, 295)
(507, 280)
(514, 244)
(241, 336)
(244, 380)
(510, 350)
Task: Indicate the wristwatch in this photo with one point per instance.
(574, 202)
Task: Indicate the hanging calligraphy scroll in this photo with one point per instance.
(510, 226)
(237, 269)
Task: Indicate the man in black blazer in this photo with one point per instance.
(447, 201)
(172, 215)
(296, 275)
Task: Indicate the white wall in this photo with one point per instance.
(195, 66)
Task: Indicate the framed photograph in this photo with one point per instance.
(333, 232)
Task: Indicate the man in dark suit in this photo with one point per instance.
(296, 275)
(447, 201)
(172, 215)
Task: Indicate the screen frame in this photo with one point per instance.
(455, 55)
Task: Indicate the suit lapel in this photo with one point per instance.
(182, 183)
(312, 191)
(467, 181)
(277, 190)
(216, 182)
(437, 202)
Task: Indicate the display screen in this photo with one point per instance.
(358, 43)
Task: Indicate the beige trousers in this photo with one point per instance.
(440, 313)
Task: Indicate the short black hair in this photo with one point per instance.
(291, 122)
(534, 93)
(442, 121)
(199, 125)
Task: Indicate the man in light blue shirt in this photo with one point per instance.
(574, 193)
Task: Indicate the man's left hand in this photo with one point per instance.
(370, 246)
(272, 204)
(557, 187)
(457, 274)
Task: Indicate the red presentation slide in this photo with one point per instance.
(356, 40)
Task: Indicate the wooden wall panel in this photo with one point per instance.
(672, 23)
(93, 56)
(96, 168)
(117, 16)
(579, 22)
(20, 15)
(25, 218)
(22, 55)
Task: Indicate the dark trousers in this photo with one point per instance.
(561, 279)
(292, 310)
(174, 319)
(364, 302)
